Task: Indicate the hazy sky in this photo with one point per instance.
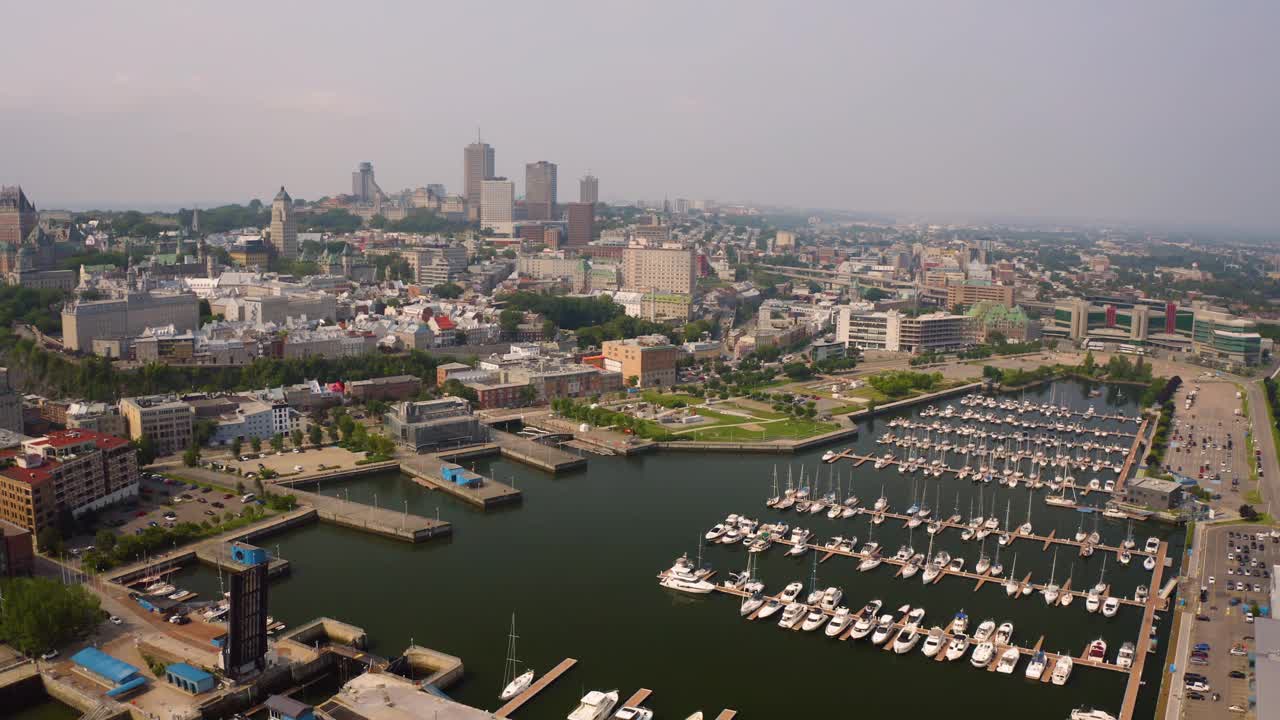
(1148, 111)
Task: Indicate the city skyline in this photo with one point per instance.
(1149, 113)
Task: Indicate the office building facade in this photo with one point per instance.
(284, 227)
(363, 187)
(164, 419)
(477, 166)
(582, 221)
(540, 190)
(497, 202)
(589, 189)
(659, 269)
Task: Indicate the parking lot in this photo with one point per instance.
(1236, 557)
(1208, 442)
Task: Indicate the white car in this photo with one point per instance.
(115, 620)
(1211, 580)
(49, 655)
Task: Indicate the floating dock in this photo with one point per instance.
(860, 459)
(427, 470)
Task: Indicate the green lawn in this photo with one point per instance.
(783, 430)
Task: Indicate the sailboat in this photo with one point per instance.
(1051, 590)
(515, 684)
(997, 567)
(1068, 596)
(984, 560)
(775, 497)
(1006, 537)
(1025, 529)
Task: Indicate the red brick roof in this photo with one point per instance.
(32, 476)
(65, 438)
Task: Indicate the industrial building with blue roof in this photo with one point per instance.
(112, 671)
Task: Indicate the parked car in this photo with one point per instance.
(49, 654)
(115, 620)
(1237, 674)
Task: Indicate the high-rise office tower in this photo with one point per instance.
(497, 201)
(589, 189)
(363, 186)
(284, 228)
(540, 190)
(18, 217)
(477, 166)
(582, 218)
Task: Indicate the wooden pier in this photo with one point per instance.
(727, 715)
(1144, 640)
(1129, 461)
(637, 697)
(859, 459)
(538, 686)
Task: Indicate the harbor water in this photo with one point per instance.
(576, 563)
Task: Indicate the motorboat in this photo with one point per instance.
(828, 456)
(982, 654)
(956, 564)
(1008, 661)
(1149, 562)
(906, 640)
(716, 532)
(1110, 606)
(1092, 601)
(934, 642)
(1152, 546)
(1098, 650)
(913, 565)
(595, 705)
(1062, 670)
(1140, 593)
(815, 619)
(865, 624)
(831, 598)
(1090, 714)
(790, 592)
(1004, 633)
(1035, 668)
(958, 646)
(770, 607)
(792, 615)
(985, 630)
(751, 603)
(1125, 657)
(883, 627)
(687, 585)
(960, 622)
(915, 617)
(633, 713)
(870, 562)
(684, 568)
(839, 622)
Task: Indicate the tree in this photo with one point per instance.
(528, 395)
(377, 222)
(239, 487)
(49, 540)
(633, 381)
(40, 614)
(236, 446)
(146, 450)
(509, 320)
(191, 457)
(204, 430)
(256, 444)
(447, 291)
(315, 434)
(1089, 363)
(104, 541)
(295, 437)
(277, 442)
(332, 431)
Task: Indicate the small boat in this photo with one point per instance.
(595, 705)
(633, 713)
(1035, 668)
(1004, 633)
(1008, 661)
(751, 603)
(1125, 657)
(771, 606)
(791, 592)
(687, 585)
(716, 532)
(1140, 593)
(985, 630)
(959, 623)
(1149, 562)
(864, 625)
(828, 456)
(1098, 650)
(1090, 714)
(1092, 601)
(958, 646)
(1152, 546)
(1110, 606)
(1062, 670)
(906, 639)
(982, 654)
(933, 643)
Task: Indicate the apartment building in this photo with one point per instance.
(659, 269)
(861, 327)
(163, 418)
(68, 470)
(651, 359)
(968, 293)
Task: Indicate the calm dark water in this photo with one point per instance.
(577, 561)
(47, 710)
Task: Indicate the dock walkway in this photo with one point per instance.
(425, 470)
(1144, 641)
(860, 459)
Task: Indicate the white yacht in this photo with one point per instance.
(595, 705)
(1062, 670)
(982, 654)
(716, 532)
(958, 646)
(985, 630)
(1004, 633)
(1092, 601)
(814, 620)
(771, 607)
(1035, 668)
(792, 615)
(1152, 546)
(883, 626)
(839, 622)
(1008, 661)
(870, 562)
(831, 598)
(751, 603)
(960, 623)
(933, 643)
(687, 585)
(1149, 562)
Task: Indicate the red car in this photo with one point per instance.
(140, 513)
